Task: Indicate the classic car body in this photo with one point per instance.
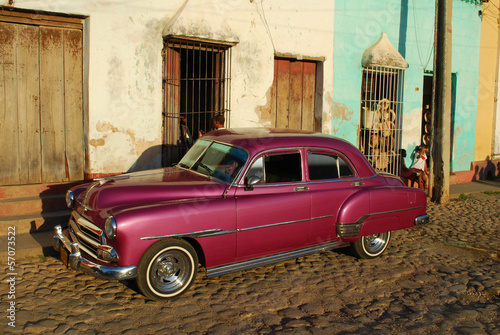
(240, 198)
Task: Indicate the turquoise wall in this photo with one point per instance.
(409, 25)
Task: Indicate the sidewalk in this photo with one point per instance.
(40, 244)
(474, 187)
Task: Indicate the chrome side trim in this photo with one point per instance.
(195, 234)
(396, 210)
(255, 262)
(284, 223)
(218, 231)
(77, 262)
(352, 229)
(272, 225)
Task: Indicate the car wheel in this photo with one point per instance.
(371, 246)
(167, 269)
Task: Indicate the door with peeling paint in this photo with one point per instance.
(41, 119)
(293, 95)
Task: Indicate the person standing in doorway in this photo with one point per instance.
(420, 166)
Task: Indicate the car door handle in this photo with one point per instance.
(358, 183)
(301, 188)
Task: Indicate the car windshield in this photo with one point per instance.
(215, 159)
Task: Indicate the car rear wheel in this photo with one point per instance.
(167, 269)
(371, 246)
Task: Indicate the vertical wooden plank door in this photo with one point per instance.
(293, 94)
(9, 139)
(41, 118)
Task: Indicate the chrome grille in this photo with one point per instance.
(87, 234)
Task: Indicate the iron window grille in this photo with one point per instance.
(381, 117)
(196, 88)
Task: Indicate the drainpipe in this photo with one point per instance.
(440, 191)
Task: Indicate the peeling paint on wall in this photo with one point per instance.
(97, 142)
(264, 112)
(137, 146)
(341, 112)
(123, 63)
(327, 113)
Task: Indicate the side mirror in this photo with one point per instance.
(249, 182)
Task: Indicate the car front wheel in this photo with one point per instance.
(371, 246)
(167, 269)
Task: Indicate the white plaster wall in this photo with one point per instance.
(294, 27)
(123, 65)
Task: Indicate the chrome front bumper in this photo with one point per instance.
(71, 256)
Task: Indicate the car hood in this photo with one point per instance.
(147, 187)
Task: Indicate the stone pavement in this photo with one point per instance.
(441, 278)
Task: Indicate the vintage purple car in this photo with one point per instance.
(239, 198)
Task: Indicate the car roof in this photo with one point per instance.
(256, 140)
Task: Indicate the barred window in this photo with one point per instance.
(196, 88)
(381, 117)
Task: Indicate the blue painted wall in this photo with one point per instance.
(409, 25)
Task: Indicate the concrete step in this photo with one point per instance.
(26, 246)
(32, 223)
(32, 205)
(29, 191)
(33, 208)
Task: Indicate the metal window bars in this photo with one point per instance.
(196, 88)
(381, 118)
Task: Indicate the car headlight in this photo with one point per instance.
(110, 227)
(70, 199)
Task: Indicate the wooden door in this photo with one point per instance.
(293, 95)
(41, 119)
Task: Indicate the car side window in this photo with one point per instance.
(277, 168)
(327, 166)
(257, 169)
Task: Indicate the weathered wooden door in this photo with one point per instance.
(293, 95)
(41, 119)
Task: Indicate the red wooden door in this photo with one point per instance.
(293, 95)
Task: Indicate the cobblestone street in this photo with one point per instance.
(440, 278)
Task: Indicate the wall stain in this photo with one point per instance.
(139, 144)
(97, 142)
(342, 113)
(264, 112)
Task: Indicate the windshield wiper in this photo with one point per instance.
(184, 165)
(206, 168)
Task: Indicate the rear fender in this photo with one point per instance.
(352, 214)
(379, 210)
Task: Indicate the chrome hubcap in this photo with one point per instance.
(374, 244)
(170, 271)
(166, 268)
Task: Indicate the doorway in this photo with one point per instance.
(41, 94)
